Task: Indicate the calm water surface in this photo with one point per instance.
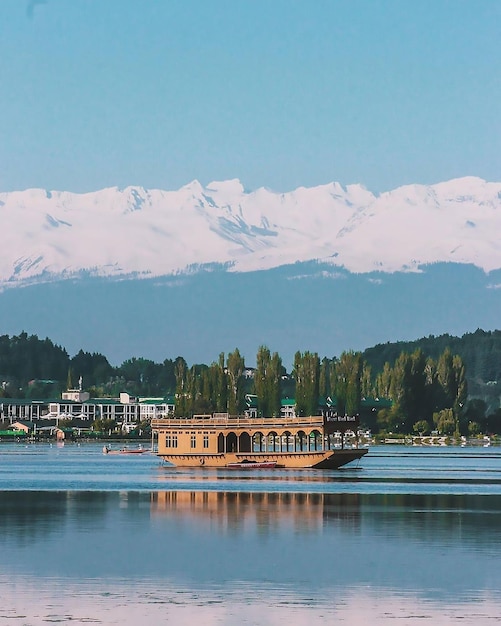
(410, 534)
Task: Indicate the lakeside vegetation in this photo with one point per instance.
(444, 384)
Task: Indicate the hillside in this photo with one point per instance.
(480, 351)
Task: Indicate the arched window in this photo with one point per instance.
(272, 442)
(231, 442)
(316, 442)
(287, 442)
(301, 441)
(258, 442)
(244, 443)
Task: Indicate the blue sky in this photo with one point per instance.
(278, 93)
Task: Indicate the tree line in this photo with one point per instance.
(426, 391)
(480, 351)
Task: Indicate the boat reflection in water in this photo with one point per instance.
(427, 520)
(260, 512)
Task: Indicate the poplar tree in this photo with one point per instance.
(235, 366)
(191, 390)
(211, 386)
(215, 392)
(366, 382)
(347, 383)
(267, 381)
(445, 376)
(452, 378)
(274, 378)
(324, 382)
(263, 358)
(222, 386)
(383, 381)
(180, 368)
(307, 376)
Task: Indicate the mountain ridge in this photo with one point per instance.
(142, 232)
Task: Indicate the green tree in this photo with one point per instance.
(445, 377)
(476, 411)
(324, 383)
(348, 383)
(452, 378)
(493, 421)
(391, 420)
(307, 376)
(421, 427)
(267, 381)
(168, 375)
(445, 421)
(383, 381)
(221, 386)
(366, 382)
(408, 388)
(474, 429)
(235, 366)
(93, 368)
(180, 370)
(460, 388)
(104, 426)
(214, 387)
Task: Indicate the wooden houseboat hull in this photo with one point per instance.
(331, 459)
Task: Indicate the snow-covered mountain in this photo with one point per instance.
(149, 232)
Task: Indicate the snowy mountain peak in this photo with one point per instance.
(152, 232)
(194, 187)
(233, 187)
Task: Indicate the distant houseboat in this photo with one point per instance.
(221, 440)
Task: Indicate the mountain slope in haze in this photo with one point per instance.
(304, 306)
(137, 232)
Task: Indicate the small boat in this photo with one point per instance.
(124, 450)
(249, 465)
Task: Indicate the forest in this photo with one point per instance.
(449, 384)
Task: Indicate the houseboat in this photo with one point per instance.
(225, 441)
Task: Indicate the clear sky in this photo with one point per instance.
(278, 93)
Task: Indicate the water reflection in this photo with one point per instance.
(410, 535)
(182, 528)
(423, 517)
(262, 512)
(238, 606)
(248, 558)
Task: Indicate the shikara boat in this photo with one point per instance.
(124, 450)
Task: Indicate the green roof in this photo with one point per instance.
(23, 401)
(327, 402)
(251, 401)
(12, 433)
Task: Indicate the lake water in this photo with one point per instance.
(410, 535)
